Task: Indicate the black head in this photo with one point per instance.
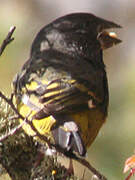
(75, 34)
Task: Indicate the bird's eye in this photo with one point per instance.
(107, 39)
(112, 34)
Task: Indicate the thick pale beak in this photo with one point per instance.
(108, 39)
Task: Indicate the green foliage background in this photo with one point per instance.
(115, 142)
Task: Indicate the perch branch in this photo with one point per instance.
(7, 40)
(13, 131)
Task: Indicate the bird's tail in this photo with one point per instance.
(67, 137)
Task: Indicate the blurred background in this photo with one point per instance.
(116, 140)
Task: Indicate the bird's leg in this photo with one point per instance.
(39, 156)
(70, 168)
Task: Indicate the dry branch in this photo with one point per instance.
(7, 40)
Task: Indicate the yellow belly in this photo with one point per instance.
(88, 121)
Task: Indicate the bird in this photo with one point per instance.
(62, 87)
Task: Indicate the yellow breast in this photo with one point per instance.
(89, 122)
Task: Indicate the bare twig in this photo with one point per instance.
(7, 40)
(11, 132)
(91, 168)
(13, 118)
(9, 101)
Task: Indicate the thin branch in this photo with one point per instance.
(7, 40)
(11, 132)
(91, 168)
(9, 101)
